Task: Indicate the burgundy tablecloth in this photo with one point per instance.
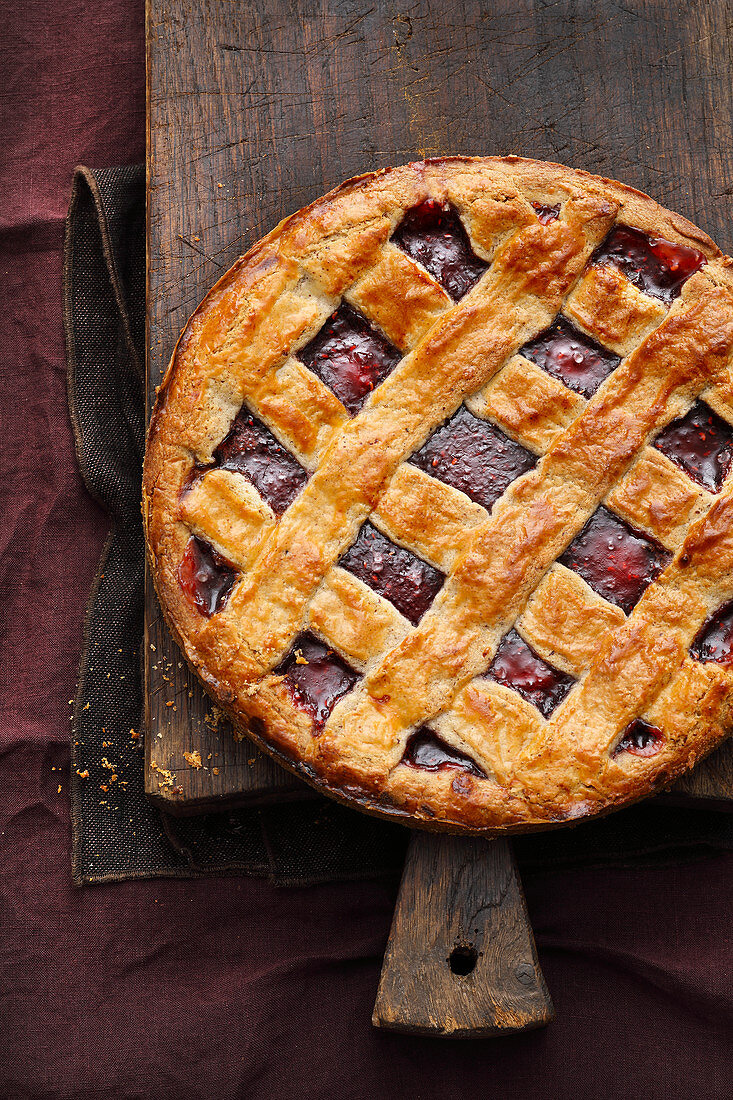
(230, 987)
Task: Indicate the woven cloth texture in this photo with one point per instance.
(117, 833)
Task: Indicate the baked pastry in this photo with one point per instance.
(438, 500)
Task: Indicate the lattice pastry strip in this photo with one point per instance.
(657, 497)
(529, 403)
(493, 723)
(354, 619)
(507, 285)
(675, 480)
(612, 310)
(229, 513)
(431, 518)
(304, 412)
(567, 622)
(400, 297)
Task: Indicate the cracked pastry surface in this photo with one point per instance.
(438, 500)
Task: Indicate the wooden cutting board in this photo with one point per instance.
(254, 111)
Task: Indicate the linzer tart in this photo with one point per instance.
(438, 496)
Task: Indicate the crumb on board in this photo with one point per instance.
(214, 719)
(193, 758)
(106, 764)
(215, 771)
(84, 774)
(134, 735)
(168, 779)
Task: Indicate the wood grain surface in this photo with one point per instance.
(255, 110)
(461, 959)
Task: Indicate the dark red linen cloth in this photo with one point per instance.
(229, 987)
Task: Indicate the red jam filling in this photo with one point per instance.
(394, 572)
(205, 576)
(617, 562)
(640, 738)
(474, 456)
(350, 356)
(316, 678)
(546, 214)
(252, 450)
(572, 357)
(702, 444)
(714, 641)
(653, 264)
(431, 753)
(517, 666)
(433, 234)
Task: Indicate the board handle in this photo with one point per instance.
(461, 959)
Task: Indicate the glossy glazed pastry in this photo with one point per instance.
(438, 500)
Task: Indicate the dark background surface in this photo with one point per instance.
(230, 987)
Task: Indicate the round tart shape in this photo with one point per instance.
(438, 500)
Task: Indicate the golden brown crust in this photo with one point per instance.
(241, 345)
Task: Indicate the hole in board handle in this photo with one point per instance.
(462, 960)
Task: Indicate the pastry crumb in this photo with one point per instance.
(193, 758)
(168, 778)
(214, 719)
